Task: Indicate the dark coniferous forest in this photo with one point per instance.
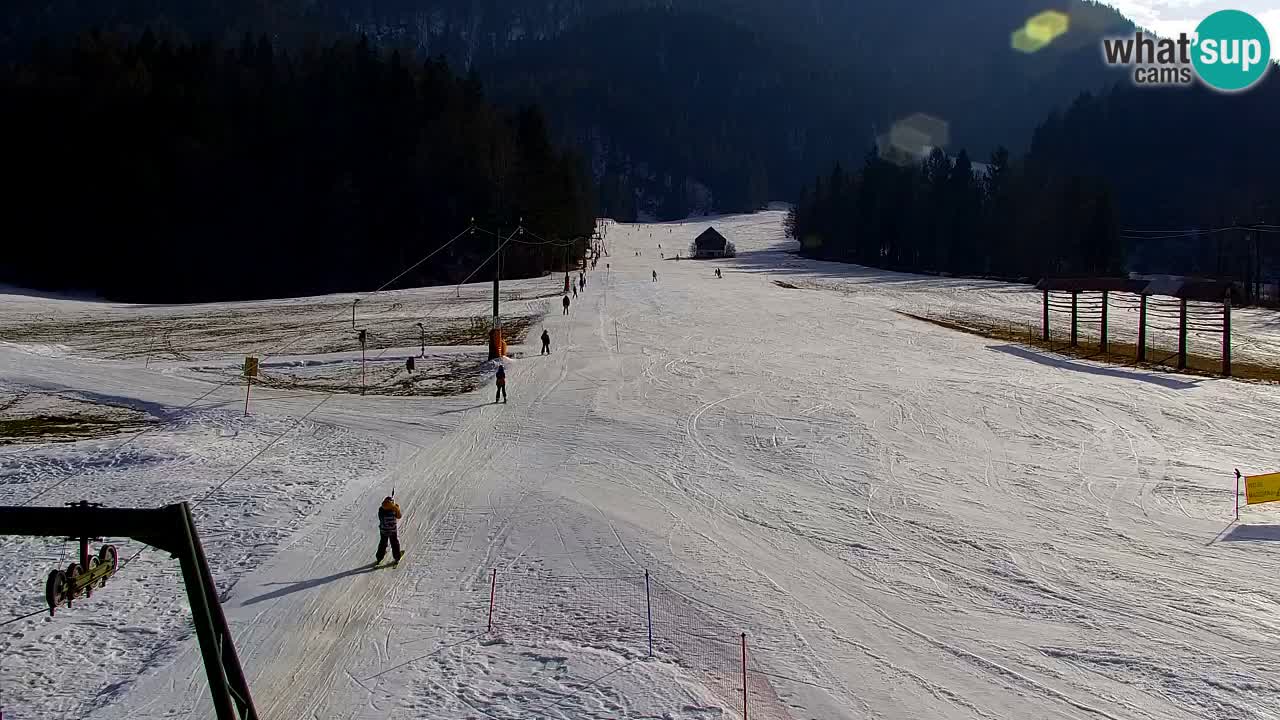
(1129, 180)
(193, 167)
(151, 171)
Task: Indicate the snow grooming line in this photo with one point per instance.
(641, 620)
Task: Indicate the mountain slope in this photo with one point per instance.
(668, 100)
(817, 77)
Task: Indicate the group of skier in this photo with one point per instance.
(389, 513)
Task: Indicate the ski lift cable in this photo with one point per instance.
(129, 441)
(297, 421)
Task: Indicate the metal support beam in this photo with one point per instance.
(172, 530)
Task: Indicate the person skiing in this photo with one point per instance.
(565, 302)
(546, 342)
(388, 518)
(575, 292)
(502, 385)
(655, 276)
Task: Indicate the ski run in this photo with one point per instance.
(903, 520)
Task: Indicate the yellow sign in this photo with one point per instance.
(251, 367)
(1261, 488)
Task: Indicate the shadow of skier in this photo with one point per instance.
(306, 584)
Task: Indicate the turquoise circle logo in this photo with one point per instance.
(1232, 50)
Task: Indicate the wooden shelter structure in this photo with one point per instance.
(1090, 298)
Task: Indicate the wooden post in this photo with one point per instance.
(1075, 295)
(1142, 328)
(250, 370)
(1226, 334)
(1182, 335)
(1045, 313)
(1104, 322)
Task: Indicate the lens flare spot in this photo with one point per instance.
(1040, 31)
(912, 138)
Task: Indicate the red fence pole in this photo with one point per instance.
(493, 586)
(744, 676)
(648, 604)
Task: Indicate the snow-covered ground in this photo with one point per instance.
(906, 521)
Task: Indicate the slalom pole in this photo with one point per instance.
(1236, 499)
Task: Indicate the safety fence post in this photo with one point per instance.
(1103, 348)
(1182, 335)
(1226, 335)
(1075, 296)
(493, 586)
(1142, 328)
(1045, 310)
(648, 603)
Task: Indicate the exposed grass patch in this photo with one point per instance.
(60, 428)
(433, 376)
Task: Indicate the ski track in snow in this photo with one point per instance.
(906, 521)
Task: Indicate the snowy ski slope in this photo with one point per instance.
(908, 522)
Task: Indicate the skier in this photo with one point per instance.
(655, 276)
(546, 342)
(575, 292)
(502, 385)
(388, 517)
(565, 302)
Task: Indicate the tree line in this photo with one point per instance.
(159, 171)
(941, 216)
(1186, 172)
